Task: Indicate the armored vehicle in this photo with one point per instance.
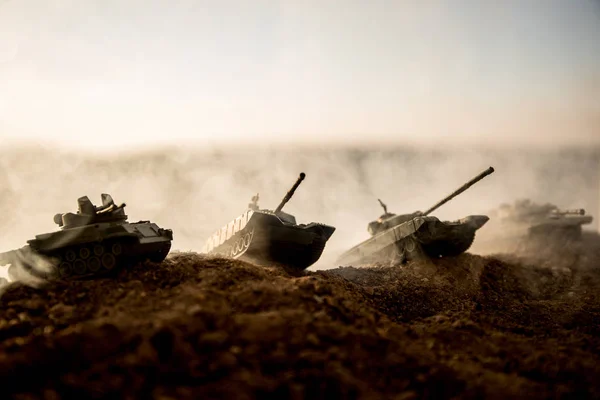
(271, 237)
(400, 238)
(92, 241)
(542, 222)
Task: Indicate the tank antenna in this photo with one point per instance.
(383, 205)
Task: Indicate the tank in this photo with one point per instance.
(266, 237)
(91, 242)
(542, 222)
(405, 237)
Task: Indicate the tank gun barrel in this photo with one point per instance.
(574, 211)
(459, 190)
(289, 194)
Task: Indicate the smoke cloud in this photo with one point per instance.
(195, 192)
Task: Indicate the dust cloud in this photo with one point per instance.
(195, 191)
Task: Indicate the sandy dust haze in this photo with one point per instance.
(195, 191)
(184, 110)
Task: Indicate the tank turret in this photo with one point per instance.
(388, 220)
(557, 213)
(87, 213)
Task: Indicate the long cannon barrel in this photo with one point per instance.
(289, 194)
(460, 190)
(576, 211)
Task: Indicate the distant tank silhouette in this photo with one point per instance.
(271, 237)
(542, 222)
(416, 235)
(92, 241)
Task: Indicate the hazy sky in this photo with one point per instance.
(113, 73)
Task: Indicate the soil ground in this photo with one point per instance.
(210, 328)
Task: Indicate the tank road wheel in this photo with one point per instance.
(234, 249)
(116, 249)
(108, 261)
(248, 239)
(398, 255)
(84, 253)
(94, 264)
(412, 250)
(238, 247)
(98, 250)
(79, 267)
(65, 269)
(70, 256)
(410, 246)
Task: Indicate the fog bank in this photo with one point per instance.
(194, 192)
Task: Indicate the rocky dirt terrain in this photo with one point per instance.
(210, 328)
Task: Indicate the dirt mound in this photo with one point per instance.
(199, 327)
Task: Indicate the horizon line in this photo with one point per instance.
(382, 145)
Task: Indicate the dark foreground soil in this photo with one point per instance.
(204, 328)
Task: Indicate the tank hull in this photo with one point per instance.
(569, 228)
(266, 239)
(421, 237)
(91, 250)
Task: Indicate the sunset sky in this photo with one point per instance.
(117, 73)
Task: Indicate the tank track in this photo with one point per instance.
(450, 247)
(407, 249)
(308, 258)
(302, 260)
(82, 261)
(241, 245)
(89, 260)
(562, 233)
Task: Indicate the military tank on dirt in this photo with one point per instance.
(90, 242)
(541, 222)
(405, 237)
(274, 237)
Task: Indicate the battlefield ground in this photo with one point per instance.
(518, 325)
(201, 327)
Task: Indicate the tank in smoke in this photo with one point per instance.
(405, 237)
(541, 222)
(91, 242)
(271, 237)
